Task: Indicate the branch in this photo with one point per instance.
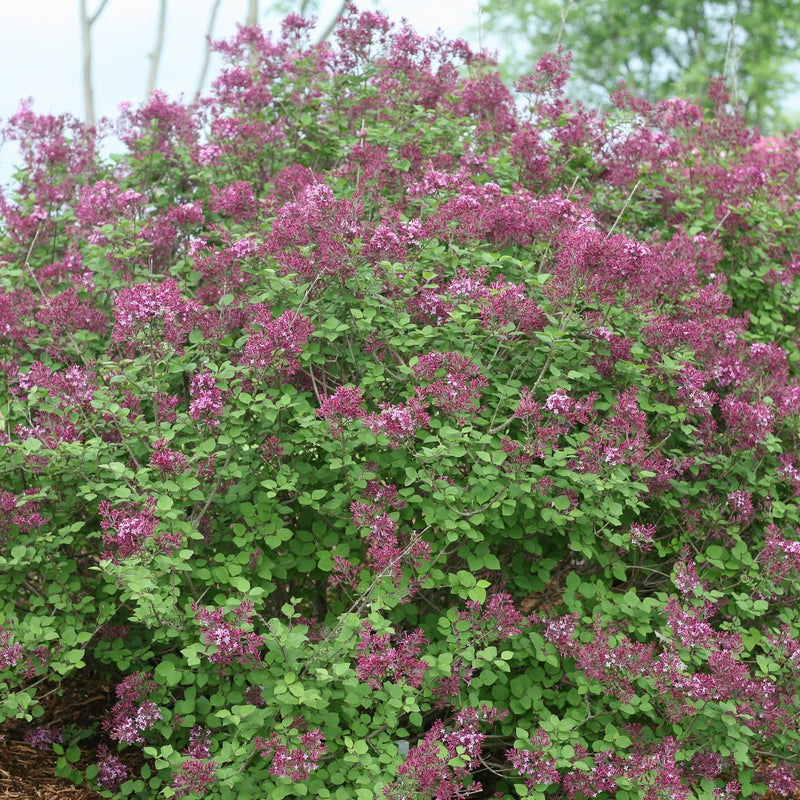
(207, 55)
(86, 22)
(332, 24)
(155, 56)
(97, 13)
(252, 12)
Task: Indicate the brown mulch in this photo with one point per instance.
(549, 598)
(81, 702)
(76, 704)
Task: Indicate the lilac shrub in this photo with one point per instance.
(381, 432)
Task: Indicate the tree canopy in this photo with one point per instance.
(660, 48)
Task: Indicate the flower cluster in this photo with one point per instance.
(225, 641)
(311, 235)
(197, 772)
(344, 405)
(293, 763)
(535, 765)
(155, 312)
(167, 461)
(454, 382)
(274, 347)
(127, 530)
(235, 200)
(641, 535)
(44, 738)
(19, 513)
(395, 657)
(498, 619)
(399, 422)
(439, 766)
(72, 388)
(111, 772)
(206, 402)
(779, 556)
(748, 424)
(10, 654)
(131, 716)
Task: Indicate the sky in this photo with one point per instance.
(40, 49)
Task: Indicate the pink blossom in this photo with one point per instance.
(196, 773)
(390, 657)
(194, 777)
(157, 311)
(561, 630)
(168, 461)
(132, 716)
(206, 400)
(748, 424)
(498, 620)
(345, 404)
(310, 235)
(686, 577)
(559, 403)
(229, 641)
(127, 529)
(10, 654)
(454, 383)
(235, 200)
(429, 770)
(641, 535)
(44, 738)
(740, 505)
(112, 773)
(274, 347)
(294, 763)
(72, 387)
(535, 765)
(549, 76)
(272, 449)
(399, 422)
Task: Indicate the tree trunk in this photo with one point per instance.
(155, 56)
(332, 24)
(87, 22)
(252, 12)
(207, 55)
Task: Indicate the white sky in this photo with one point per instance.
(40, 48)
(40, 51)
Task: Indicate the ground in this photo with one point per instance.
(80, 703)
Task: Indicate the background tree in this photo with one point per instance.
(207, 49)
(252, 12)
(253, 15)
(155, 56)
(659, 47)
(87, 21)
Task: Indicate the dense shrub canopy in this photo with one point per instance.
(383, 433)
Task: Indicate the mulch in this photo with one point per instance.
(81, 702)
(76, 704)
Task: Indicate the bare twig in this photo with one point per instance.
(212, 20)
(252, 13)
(86, 22)
(622, 210)
(155, 56)
(332, 24)
(564, 14)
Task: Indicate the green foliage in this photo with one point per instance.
(378, 438)
(660, 49)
